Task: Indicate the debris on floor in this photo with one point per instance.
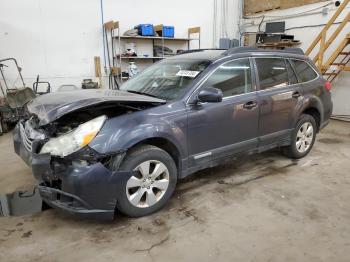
(20, 203)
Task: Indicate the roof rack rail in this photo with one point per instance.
(295, 50)
(198, 50)
(241, 49)
(247, 49)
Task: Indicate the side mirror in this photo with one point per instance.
(210, 95)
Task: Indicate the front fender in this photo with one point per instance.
(121, 133)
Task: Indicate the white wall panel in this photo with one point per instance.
(59, 38)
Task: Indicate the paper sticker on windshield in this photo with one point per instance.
(187, 73)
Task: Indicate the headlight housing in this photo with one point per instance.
(74, 140)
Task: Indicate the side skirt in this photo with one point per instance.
(223, 155)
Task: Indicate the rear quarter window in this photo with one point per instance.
(303, 70)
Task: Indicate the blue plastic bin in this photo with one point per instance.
(165, 30)
(168, 31)
(145, 29)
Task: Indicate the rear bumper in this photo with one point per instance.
(88, 191)
(327, 114)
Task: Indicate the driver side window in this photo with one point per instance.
(232, 78)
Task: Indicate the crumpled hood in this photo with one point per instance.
(52, 106)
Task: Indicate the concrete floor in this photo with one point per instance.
(259, 208)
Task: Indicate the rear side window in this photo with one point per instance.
(303, 70)
(232, 78)
(272, 72)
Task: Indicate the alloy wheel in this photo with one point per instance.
(305, 136)
(149, 185)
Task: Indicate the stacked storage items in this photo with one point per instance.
(150, 30)
(145, 29)
(165, 30)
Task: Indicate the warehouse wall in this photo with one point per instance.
(299, 26)
(58, 39)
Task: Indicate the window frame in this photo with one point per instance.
(291, 72)
(307, 62)
(289, 85)
(205, 78)
(258, 77)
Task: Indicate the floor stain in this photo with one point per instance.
(192, 213)
(9, 232)
(154, 227)
(267, 171)
(158, 222)
(330, 140)
(159, 243)
(27, 234)
(100, 236)
(314, 214)
(278, 209)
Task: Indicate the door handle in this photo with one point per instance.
(250, 105)
(296, 95)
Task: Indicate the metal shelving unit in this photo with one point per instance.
(141, 57)
(156, 38)
(117, 40)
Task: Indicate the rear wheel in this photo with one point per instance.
(303, 137)
(153, 183)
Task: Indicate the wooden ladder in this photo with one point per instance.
(338, 60)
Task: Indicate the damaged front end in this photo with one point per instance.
(81, 183)
(72, 176)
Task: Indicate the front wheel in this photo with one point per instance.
(303, 137)
(152, 185)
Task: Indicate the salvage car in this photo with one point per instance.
(95, 152)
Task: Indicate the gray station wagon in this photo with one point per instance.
(97, 151)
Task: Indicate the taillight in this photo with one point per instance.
(328, 86)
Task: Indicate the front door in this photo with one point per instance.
(216, 130)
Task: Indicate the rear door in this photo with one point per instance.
(278, 96)
(216, 130)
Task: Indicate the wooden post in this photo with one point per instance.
(98, 74)
(195, 30)
(111, 25)
(321, 52)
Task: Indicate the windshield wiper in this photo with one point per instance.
(141, 93)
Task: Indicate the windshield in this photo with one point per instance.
(167, 79)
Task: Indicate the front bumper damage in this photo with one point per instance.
(88, 191)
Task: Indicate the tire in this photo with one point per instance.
(139, 195)
(302, 141)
